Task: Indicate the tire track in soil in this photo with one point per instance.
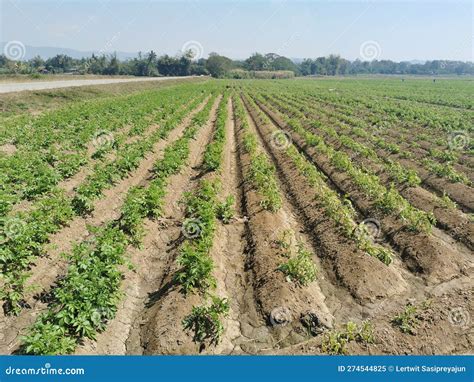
(47, 269)
(151, 262)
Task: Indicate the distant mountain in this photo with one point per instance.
(417, 62)
(48, 52)
(297, 60)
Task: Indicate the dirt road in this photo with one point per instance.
(40, 85)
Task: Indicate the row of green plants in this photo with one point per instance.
(195, 273)
(381, 107)
(449, 93)
(340, 211)
(23, 239)
(95, 264)
(386, 200)
(213, 153)
(54, 146)
(85, 299)
(147, 201)
(438, 161)
(407, 321)
(261, 171)
(399, 174)
(202, 211)
(372, 122)
(26, 235)
(299, 268)
(335, 341)
(445, 170)
(127, 159)
(31, 173)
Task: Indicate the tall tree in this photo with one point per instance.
(218, 65)
(257, 62)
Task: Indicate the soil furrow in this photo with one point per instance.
(429, 255)
(460, 193)
(454, 221)
(282, 304)
(245, 331)
(365, 277)
(157, 256)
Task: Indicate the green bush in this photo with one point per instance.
(225, 210)
(301, 268)
(407, 320)
(334, 342)
(206, 322)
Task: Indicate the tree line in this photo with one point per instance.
(257, 65)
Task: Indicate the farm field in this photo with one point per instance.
(307, 216)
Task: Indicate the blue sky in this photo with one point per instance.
(397, 30)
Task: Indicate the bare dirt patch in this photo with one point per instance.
(8, 149)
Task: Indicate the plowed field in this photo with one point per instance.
(242, 217)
